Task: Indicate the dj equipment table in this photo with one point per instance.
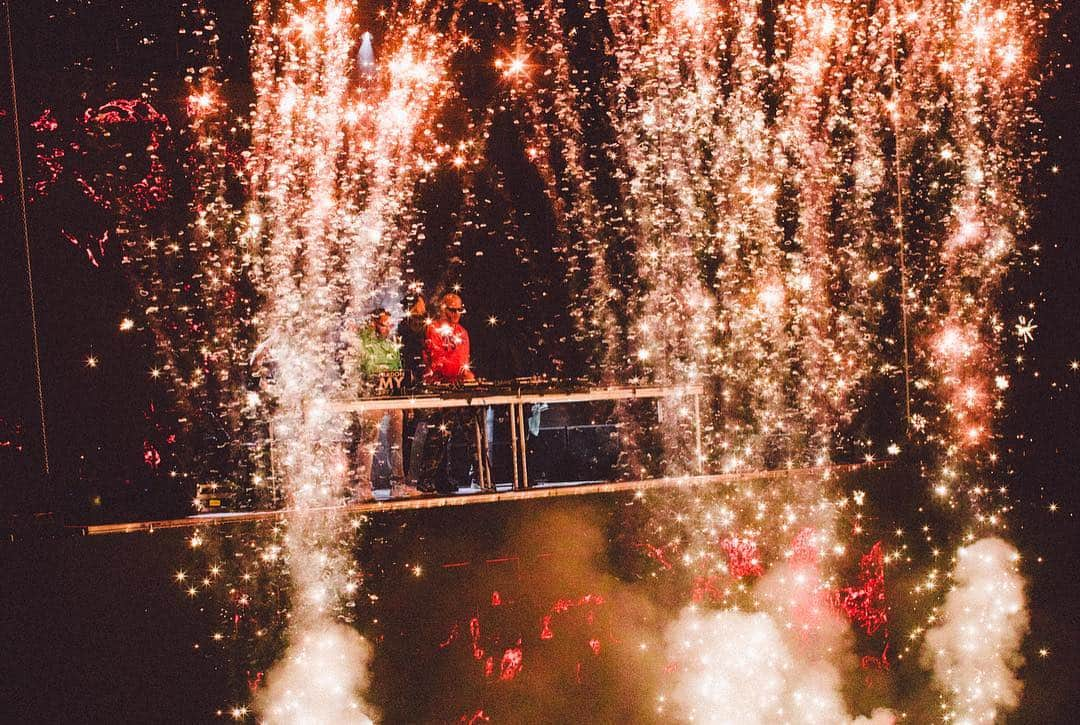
(482, 396)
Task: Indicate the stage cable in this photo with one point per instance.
(26, 236)
(898, 173)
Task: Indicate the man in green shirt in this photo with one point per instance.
(378, 357)
(378, 351)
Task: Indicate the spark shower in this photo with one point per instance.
(808, 207)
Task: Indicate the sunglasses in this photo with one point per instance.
(456, 309)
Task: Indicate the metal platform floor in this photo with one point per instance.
(464, 497)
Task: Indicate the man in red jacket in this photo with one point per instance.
(446, 345)
(446, 362)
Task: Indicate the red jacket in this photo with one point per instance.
(446, 353)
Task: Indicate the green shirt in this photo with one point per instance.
(377, 354)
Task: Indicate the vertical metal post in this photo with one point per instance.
(514, 444)
(479, 450)
(275, 489)
(524, 446)
(697, 434)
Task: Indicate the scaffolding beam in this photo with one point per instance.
(464, 499)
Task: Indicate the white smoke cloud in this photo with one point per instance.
(320, 679)
(328, 189)
(761, 667)
(974, 650)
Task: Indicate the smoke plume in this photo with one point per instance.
(975, 649)
(778, 666)
(320, 679)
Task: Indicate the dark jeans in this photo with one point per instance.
(443, 428)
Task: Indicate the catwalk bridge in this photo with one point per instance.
(467, 497)
(514, 397)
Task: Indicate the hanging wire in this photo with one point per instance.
(26, 236)
(898, 172)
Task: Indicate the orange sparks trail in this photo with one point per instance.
(807, 206)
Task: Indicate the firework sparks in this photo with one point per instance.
(975, 649)
(799, 214)
(331, 166)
